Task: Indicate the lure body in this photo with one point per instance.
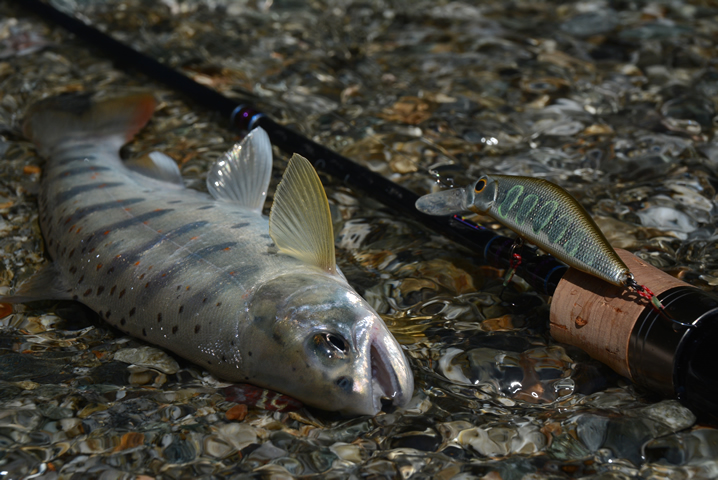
(540, 212)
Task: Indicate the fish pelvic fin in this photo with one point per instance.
(45, 284)
(72, 118)
(156, 165)
(300, 222)
(242, 174)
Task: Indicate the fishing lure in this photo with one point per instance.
(547, 216)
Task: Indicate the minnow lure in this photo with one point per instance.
(544, 214)
(207, 276)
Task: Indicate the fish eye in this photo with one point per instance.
(331, 344)
(480, 185)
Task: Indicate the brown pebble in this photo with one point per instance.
(130, 440)
(238, 412)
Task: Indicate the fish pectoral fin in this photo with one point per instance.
(156, 165)
(45, 284)
(300, 222)
(242, 174)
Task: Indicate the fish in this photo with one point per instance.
(541, 212)
(248, 298)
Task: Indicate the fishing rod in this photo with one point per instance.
(606, 321)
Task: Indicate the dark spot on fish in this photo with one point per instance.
(75, 297)
(240, 225)
(204, 300)
(99, 207)
(90, 250)
(231, 342)
(264, 235)
(213, 249)
(81, 279)
(207, 207)
(181, 309)
(147, 284)
(159, 317)
(100, 289)
(174, 329)
(107, 315)
(72, 252)
(122, 321)
(224, 359)
(112, 290)
(179, 286)
(142, 276)
(122, 293)
(138, 219)
(110, 270)
(246, 378)
(144, 332)
(219, 304)
(70, 193)
(71, 172)
(100, 313)
(132, 311)
(64, 249)
(249, 353)
(50, 242)
(209, 363)
(73, 269)
(175, 201)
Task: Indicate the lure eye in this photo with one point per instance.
(480, 185)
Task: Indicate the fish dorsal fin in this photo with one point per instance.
(242, 174)
(300, 223)
(45, 284)
(156, 165)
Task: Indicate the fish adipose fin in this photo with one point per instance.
(300, 222)
(45, 284)
(242, 174)
(71, 119)
(156, 165)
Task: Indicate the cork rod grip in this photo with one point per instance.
(598, 317)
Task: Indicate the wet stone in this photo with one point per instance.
(615, 101)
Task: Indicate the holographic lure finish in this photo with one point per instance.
(542, 213)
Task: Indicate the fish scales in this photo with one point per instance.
(200, 274)
(153, 249)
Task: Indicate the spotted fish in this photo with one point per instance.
(541, 212)
(207, 276)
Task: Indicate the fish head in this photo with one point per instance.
(321, 343)
(483, 194)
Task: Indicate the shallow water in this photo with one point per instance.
(613, 100)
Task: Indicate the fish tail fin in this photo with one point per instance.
(61, 121)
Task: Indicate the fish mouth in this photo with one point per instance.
(446, 202)
(388, 393)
